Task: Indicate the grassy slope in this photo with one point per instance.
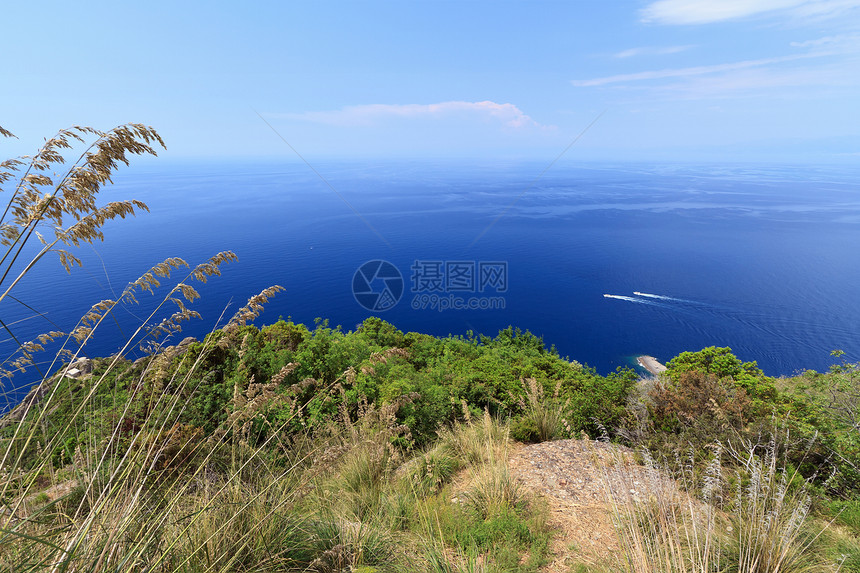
(290, 448)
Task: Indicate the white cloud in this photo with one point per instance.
(685, 72)
(707, 11)
(825, 41)
(761, 82)
(843, 43)
(774, 77)
(506, 114)
(830, 61)
(821, 9)
(651, 51)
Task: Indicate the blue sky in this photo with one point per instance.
(675, 80)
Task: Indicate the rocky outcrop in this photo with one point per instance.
(650, 364)
(80, 368)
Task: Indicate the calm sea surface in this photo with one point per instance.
(763, 259)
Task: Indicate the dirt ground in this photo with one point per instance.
(572, 476)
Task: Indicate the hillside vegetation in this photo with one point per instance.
(286, 448)
(290, 448)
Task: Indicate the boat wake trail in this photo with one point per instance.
(637, 293)
(633, 299)
(663, 297)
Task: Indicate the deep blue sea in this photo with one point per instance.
(764, 259)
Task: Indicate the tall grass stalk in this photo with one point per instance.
(128, 500)
(768, 515)
(481, 446)
(704, 524)
(481, 441)
(544, 415)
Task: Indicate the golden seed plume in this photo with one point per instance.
(252, 310)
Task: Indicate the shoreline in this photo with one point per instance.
(650, 364)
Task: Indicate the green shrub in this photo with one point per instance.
(718, 361)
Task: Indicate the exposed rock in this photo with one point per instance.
(83, 364)
(650, 364)
(80, 368)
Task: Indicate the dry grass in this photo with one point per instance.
(756, 525)
(124, 508)
(482, 441)
(493, 490)
(545, 413)
(476, 522)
